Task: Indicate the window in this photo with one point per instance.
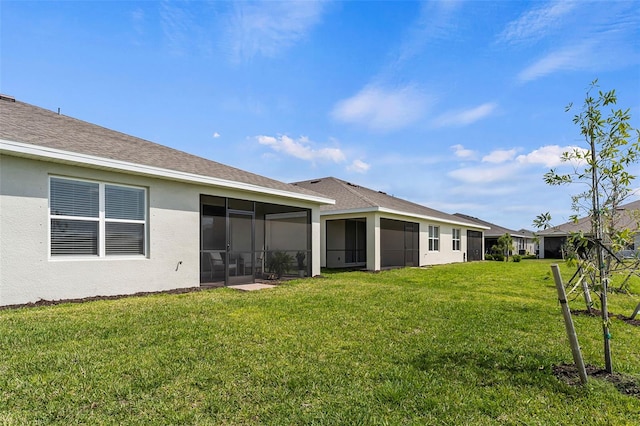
(96, 219)
(456, 239)
(434, 238)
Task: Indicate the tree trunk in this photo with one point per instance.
(602, 270)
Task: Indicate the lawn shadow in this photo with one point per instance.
(489, 367)
(522, 370)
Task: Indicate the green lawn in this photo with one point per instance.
(469, 343)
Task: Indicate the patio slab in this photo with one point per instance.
(251, 287)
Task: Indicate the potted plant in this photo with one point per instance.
(300, 256)
(279, 262)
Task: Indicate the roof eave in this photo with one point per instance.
(68, 157)
(400, 213)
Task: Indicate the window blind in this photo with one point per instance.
(74, 198)
(74, 237)
(124, 203)
(124, 238)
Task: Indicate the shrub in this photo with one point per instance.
(488, 257)
(499, 257)
(279, 263)
(516, 258)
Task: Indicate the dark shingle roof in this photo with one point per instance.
(627, 219)
(349, 196)
(526, 233)
(494, 230)
(24, 123)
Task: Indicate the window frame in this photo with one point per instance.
(102, 221)
(456, 237)
(434, 238)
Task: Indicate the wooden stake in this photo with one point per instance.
(586, 293)
(633, 315)
(568, 323)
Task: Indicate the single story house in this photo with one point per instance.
(529, 243)
(552, 240)
(87, 211)
(369, 229)
(524, 241)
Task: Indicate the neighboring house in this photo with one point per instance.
(87, 211)
(552, 240)
(528, 243)
(523, 240)
(372, 230)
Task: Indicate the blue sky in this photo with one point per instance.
(458, 105)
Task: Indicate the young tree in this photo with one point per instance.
(542, 221)
(504, 245)
(602, 167)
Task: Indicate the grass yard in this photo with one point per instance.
(471, 343)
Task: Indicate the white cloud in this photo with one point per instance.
(590, 36)
(435, 21)
(566, 59)
(358, 166)
(536, 23)
(177, 25)
(483, 174)
(488, 192)
(138, 20)
(216, 135)
(502, 165)
(267, 28)
(461, 152)
(549, 155)
(393, 159)
(499, 156)
(301, 148)
(465, 117)
(382, 109)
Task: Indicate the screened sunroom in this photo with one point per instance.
(243, 241)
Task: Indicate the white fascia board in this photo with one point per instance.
(432, 218)
(348, 211)
(61, 156)
(524, 237)
(400, 213)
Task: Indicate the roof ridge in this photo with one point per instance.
(351, 188)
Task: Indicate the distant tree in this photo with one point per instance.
(504, 245)
(601, 167)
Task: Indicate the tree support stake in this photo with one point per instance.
(568, 323)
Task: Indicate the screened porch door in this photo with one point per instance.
(240, 247)
(227, 243)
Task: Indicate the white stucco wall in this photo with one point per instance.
(445, 254)
(28, 273)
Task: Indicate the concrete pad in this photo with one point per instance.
(251, 287)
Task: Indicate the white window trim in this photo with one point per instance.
(102, 220)
(458, 240)
(433, 239)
